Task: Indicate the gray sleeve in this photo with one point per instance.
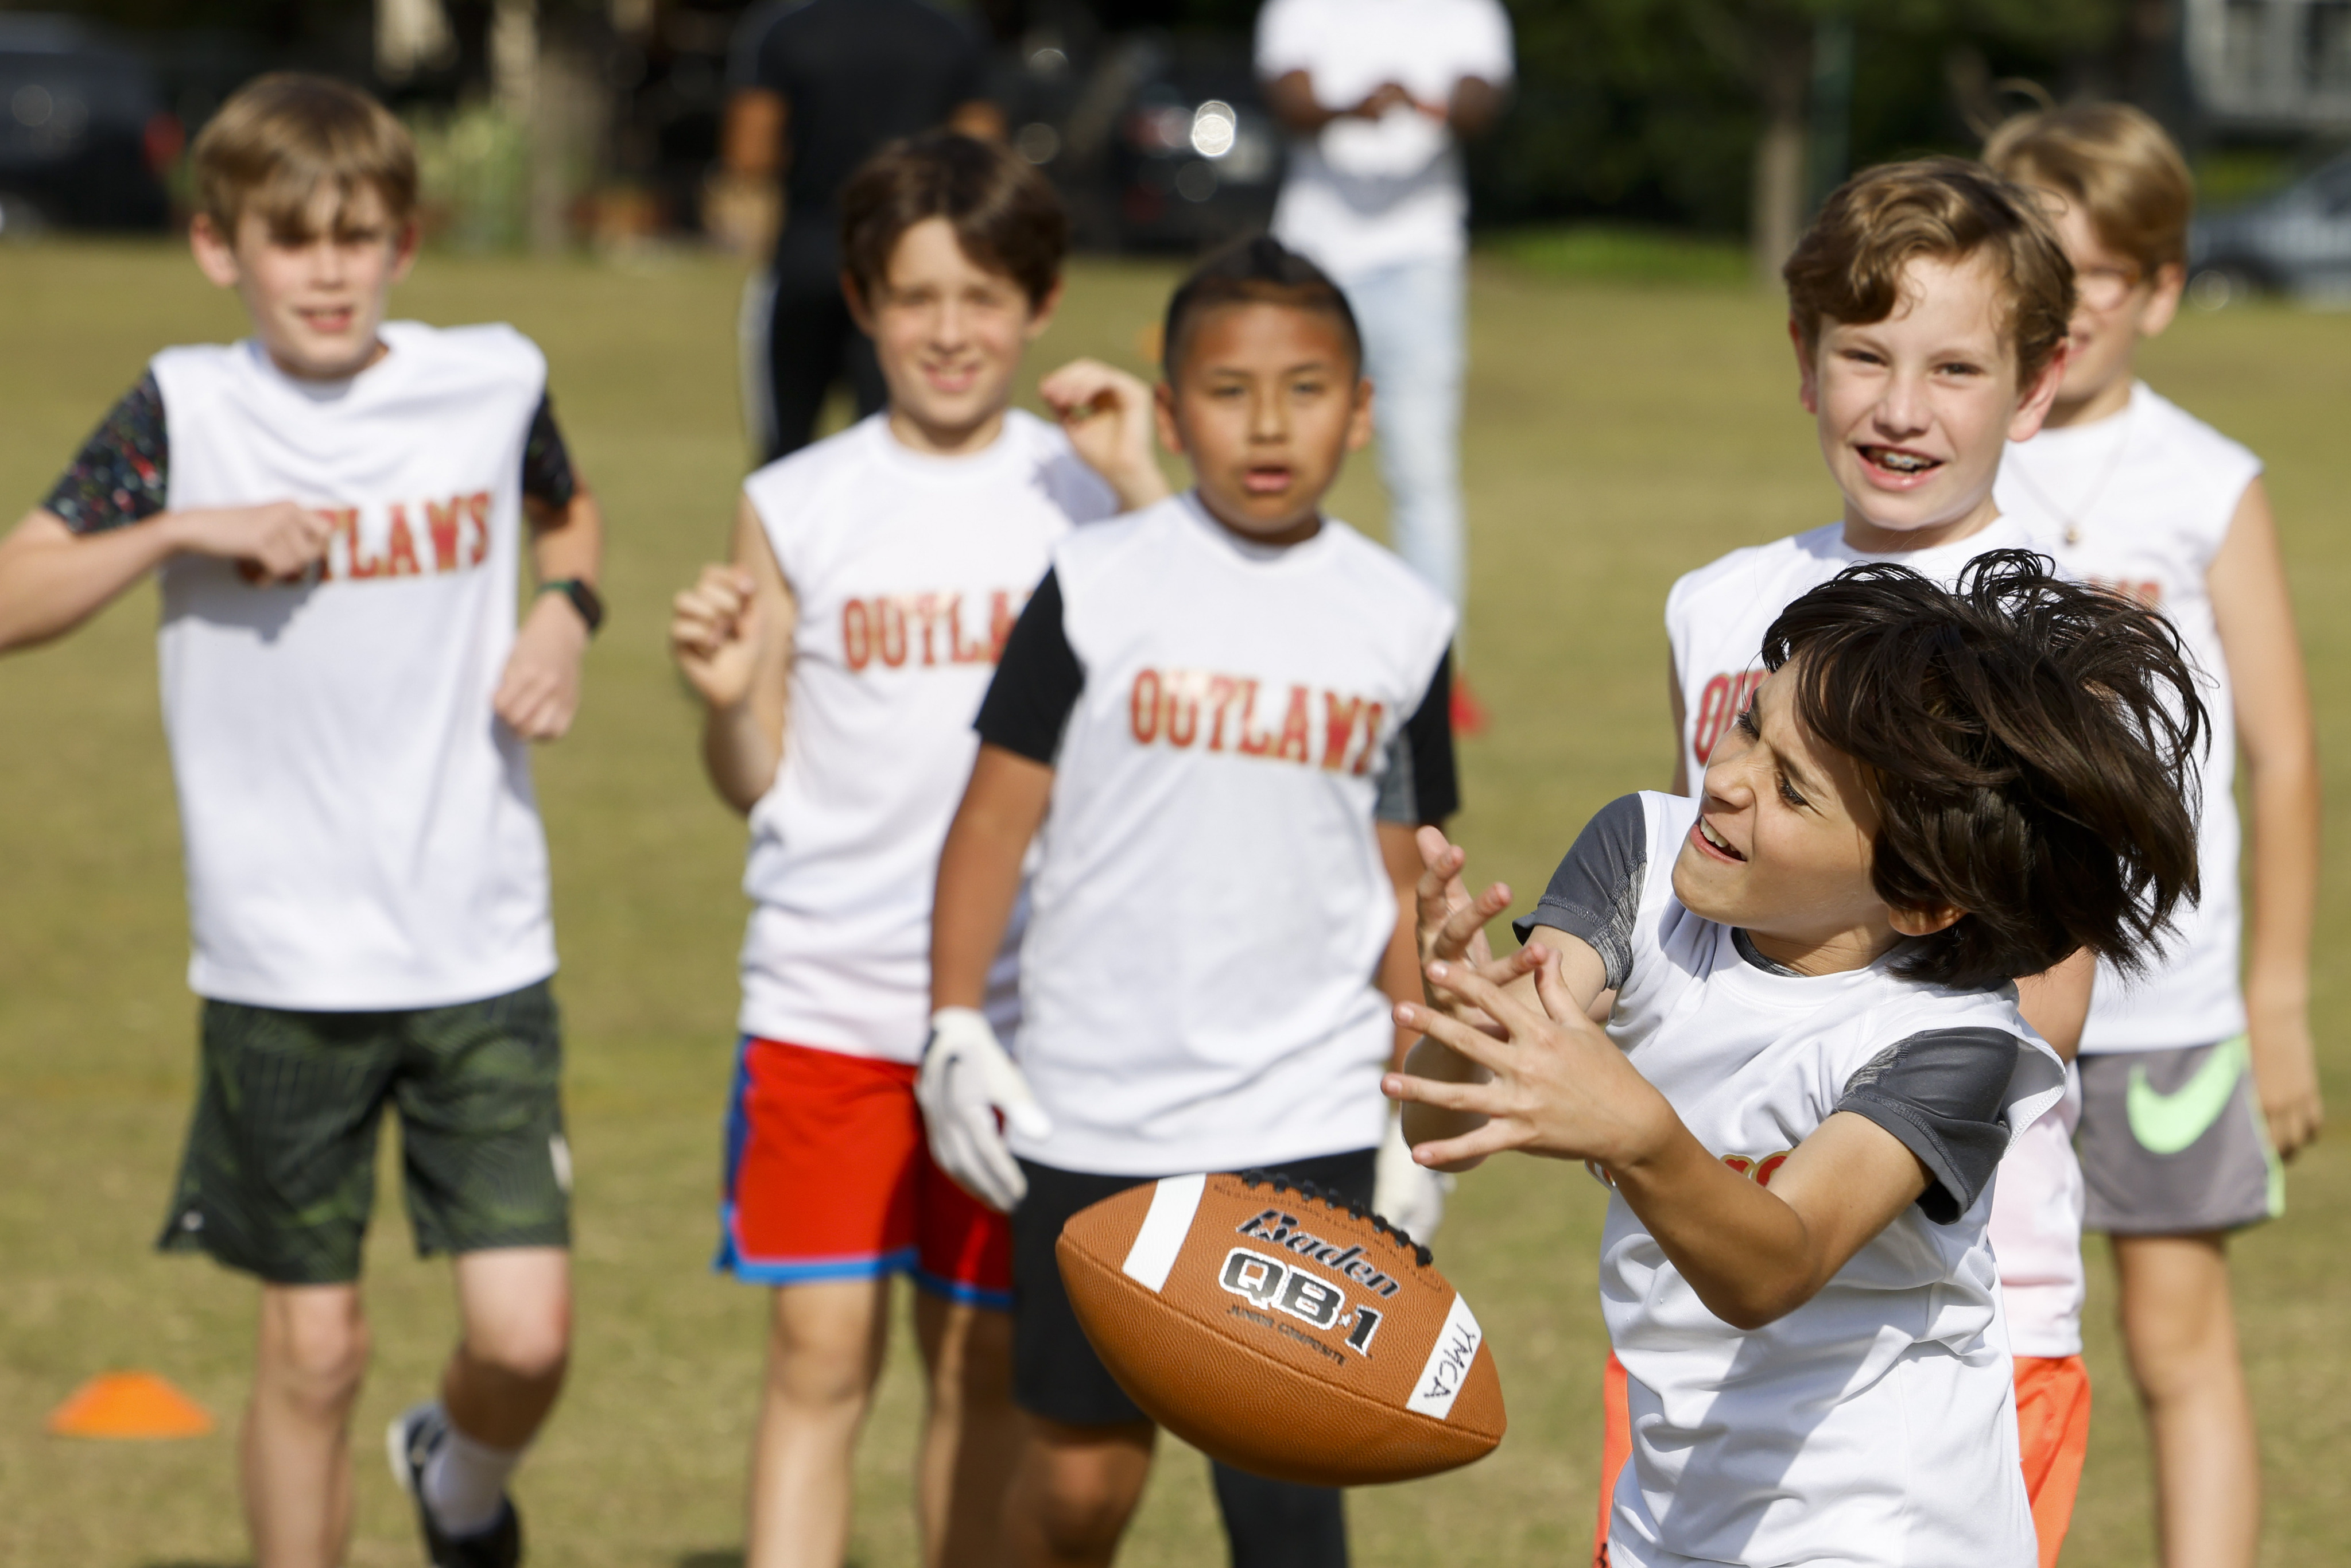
(1942, 1093)
(1596, 891)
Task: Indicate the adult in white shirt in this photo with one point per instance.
(1378, 95)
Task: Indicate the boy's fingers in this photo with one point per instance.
(1477, 1099)
(1498, 1136)
(1486, 1051)
(1472, 987)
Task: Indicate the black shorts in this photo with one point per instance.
(1055, 1372)
(278, 1179)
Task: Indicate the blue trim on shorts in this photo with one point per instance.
(960, 1293)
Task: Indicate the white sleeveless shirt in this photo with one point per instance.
(909, 571)
(361, 828)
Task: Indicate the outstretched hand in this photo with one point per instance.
(1556, 1084)
(1452, 925)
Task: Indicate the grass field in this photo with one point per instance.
(1617, 436)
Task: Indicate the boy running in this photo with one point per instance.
(1815, 1058)
(2193, 1085)
(1218, 722)
(336, 508)
(843, 654)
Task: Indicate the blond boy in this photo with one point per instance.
(337, 508)
(2195, 1083)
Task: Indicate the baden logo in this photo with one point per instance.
(926, 629)
(1184, 708)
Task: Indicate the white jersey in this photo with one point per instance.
(1716, 615)
(2149, 497)
(1212, 906)
(1875, 1423)
(1714, 619)
(1363, 195)
(361, 830)
(909, 571)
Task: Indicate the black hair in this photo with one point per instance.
(2031, 746)
(1257, 270)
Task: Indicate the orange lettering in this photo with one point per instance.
(1373, 714)
(400, 555)
(440, 523)
(961, 651)
(927, 606)
(1295, 741)
(1254, 743)
(1182, 708)
(1222, 689)
(359, 566)
(1142, 705)
(856, 635)
(477, 507)
(1338, 729)
(892, 613)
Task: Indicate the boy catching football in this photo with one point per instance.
(1226, 714)
(338, 507)
(843, 654)
(1814, 1060)
(2194, 1082)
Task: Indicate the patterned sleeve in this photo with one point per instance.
(122, 473)
(1595, 893)
(546, 462)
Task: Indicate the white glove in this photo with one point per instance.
(966, 1079)
(1407, 1196)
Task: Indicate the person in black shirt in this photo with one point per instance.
(817, 87)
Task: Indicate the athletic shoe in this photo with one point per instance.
(411, 1442)
(1468, 713)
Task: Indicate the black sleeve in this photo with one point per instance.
(1596, 892)
(748, 62)
(1941, 1092)
(122, 473)
(1420, 783)
(1037, 682)
(546, 462)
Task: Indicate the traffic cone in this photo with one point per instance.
(129, 1405)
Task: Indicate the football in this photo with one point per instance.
(1281, 1330)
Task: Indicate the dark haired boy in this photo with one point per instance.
(841, 656)
(1928, 304)
(1815, 1058)
(1226, 714)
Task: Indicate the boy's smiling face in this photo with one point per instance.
(1914, 411)
(316, 290)
(949, 334)
(1782, 845)
(1266, 401)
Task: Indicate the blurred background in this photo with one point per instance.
(1644, 135)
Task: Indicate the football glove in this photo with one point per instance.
(965, 1082)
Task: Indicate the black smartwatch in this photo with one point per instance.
(584, 598)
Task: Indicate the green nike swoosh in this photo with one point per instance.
(2167, 1123)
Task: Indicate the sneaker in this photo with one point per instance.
(1468, 713)
(411, 1442)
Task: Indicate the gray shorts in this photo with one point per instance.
(2173, 1143)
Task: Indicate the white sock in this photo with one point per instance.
(463, 1482)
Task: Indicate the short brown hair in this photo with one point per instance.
(1005, 214)
(280, 137)
(2113, 162)
(2030, 746)
(1257, 270)
(1848, 266)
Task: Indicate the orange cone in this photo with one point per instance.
(129, 1405)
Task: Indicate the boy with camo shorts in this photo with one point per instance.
(336, 508)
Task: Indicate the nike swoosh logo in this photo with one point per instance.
(2167, 1123)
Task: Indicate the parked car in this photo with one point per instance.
(84, 135)
(2296, 240)
(1159, 145)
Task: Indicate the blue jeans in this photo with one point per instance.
(1413, 320)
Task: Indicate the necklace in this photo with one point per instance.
(2072, 517)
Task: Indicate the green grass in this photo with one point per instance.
(1617, 436)
(1619, 253)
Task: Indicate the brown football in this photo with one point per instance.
(1284, 1331)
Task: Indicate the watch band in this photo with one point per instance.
(584, 598)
